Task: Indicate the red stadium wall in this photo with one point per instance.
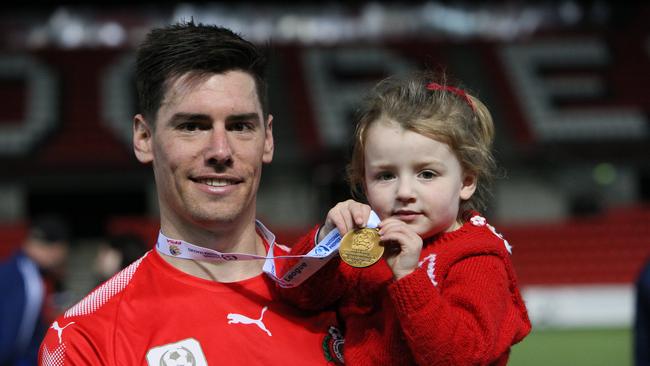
(610, 248)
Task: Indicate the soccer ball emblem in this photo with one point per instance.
(180, 356)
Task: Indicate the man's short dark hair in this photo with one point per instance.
(170, 52)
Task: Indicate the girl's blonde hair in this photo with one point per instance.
(423, 103)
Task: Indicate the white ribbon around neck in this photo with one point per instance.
(308, 264)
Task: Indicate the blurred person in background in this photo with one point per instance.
(200, 297)
(116, 254)
(642, 318)
(29, 278)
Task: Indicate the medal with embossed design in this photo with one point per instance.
(360, 248)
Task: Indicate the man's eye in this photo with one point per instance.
(189, 126)
(240, 126)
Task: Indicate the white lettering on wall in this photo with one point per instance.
(41, 104)
(535, 93)
(118, 98)
(333, 99)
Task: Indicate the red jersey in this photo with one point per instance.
(153, 314)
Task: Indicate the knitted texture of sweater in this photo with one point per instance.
(461, 306)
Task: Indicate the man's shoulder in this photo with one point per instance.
(98, 307)
(108, 291)
(86, 328)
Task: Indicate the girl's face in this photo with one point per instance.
(413, 178)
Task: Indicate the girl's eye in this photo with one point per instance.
(428, 174)
(385, 176)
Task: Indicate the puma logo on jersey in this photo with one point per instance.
(59, 330)
(242, 319)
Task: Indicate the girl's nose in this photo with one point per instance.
(405, 190)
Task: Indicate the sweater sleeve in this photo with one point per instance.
(471, 320)
(320, 290)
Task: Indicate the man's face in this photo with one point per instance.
(208, 147)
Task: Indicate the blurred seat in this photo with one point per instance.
(609, 248)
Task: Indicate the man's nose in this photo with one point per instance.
(218, 149)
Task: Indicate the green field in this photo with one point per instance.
(590, 347)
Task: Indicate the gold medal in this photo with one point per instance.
(360, 248)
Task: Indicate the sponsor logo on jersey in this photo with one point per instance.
(59, 329)
(187, 352)
(234, 318)
(333, 346)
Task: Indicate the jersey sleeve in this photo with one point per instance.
(68, 343)
(471, 320)
(321, 289)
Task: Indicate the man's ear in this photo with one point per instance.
(142, 139)
(269, 147)
(468, 186)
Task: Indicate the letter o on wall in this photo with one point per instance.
(118, 98)
(40, 104)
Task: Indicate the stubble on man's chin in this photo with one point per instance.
(219, 217)
(216, 214)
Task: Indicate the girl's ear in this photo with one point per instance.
(468, 186)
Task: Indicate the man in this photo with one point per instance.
(206, 130)
(25, 278)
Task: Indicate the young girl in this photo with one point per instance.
(445, 292)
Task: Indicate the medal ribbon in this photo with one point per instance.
(182, 249)
(325, 250)
(308, 264)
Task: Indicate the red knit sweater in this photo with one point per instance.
(460, 307)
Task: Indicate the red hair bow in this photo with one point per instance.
(460, 92)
